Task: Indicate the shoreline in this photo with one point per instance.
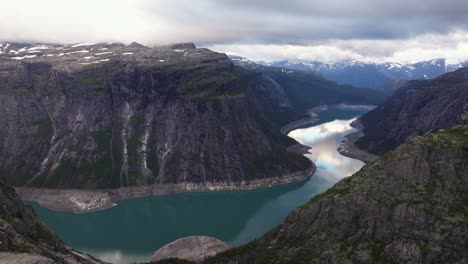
(80, 201)
(311, 119)
(348, 149)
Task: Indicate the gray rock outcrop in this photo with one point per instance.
(193, 248)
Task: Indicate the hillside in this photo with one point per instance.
(409, 206)
(417, 108)
(26, 240)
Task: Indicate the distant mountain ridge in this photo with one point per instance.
(366, 74)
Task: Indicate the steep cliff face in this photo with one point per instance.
(24, 239)
(409, 206)
(417, 108)
(106, 116)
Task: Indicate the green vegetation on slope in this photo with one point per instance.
(45, 129)
(91, 82)
(104, 173)
(214, 83)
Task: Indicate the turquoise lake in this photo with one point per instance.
(134, 229)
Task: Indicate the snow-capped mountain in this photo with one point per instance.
(371, 75)
(453, 67)
(86, 52)
(246, 63)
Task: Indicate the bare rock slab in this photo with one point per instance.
(192, 248)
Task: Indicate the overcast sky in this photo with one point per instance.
(327, 30)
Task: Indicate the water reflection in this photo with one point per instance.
(331, 167)
(324, 140)
(133, 230)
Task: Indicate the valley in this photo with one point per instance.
(235, 217)
(234, 132)
(179, 141)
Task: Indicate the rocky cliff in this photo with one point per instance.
(108, 115)
(417, 108)
(409, 206)
(24, 239)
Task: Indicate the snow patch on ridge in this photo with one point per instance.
(83, 44)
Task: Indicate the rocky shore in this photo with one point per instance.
(84, 201)
(349, 149)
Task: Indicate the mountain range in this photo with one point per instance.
(407, 206)
(97, 116)
(366, 74)
(110, 115)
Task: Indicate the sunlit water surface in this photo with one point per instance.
(133, 230)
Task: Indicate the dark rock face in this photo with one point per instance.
(24, 239)
(409, 206)
(269, 96)
(106, 116)
(417, 108)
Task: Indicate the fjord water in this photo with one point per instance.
(133, 230)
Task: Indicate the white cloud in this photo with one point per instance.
(263, 29)
(76, 21)
(453, 46)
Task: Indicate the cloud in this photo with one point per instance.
(452, 46)
(292, 24)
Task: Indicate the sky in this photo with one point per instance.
(325, 30)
